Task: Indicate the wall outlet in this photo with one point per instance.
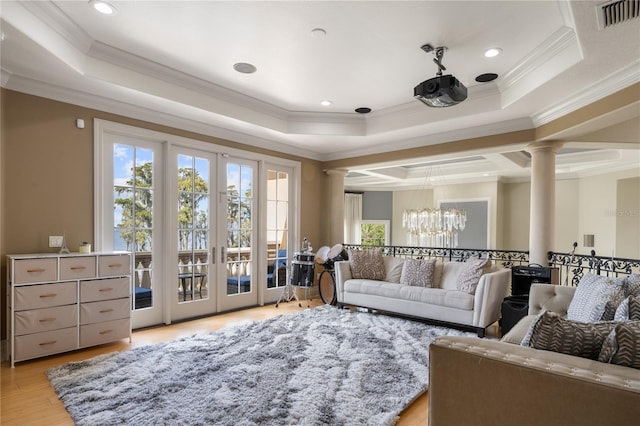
(55, 240)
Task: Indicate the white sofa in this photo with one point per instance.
(442, 303)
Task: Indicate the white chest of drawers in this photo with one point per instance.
(59, 303)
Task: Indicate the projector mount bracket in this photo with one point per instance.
(439, 53)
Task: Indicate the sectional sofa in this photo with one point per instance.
(486, 382)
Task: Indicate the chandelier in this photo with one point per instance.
(433, 227)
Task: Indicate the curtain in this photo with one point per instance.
(352, 218)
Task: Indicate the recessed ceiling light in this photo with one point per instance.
(493, 52)
(325, 103)
(245, 68)
(103, 7)
(363, 110)
(485, 78)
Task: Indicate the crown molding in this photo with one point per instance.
(613, 83)
(138, 112)
(556, 54)
(56, 19)
(437, 138)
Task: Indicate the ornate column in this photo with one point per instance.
(335, 205)
(543, 201)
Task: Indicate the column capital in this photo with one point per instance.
(550, 145)
(336, 172)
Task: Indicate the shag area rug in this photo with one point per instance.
(321, 366)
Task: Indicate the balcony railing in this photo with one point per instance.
(571, 267)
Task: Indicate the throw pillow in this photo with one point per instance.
(557, 334)
(418, 272)
(622, 346)
(633, 285)
(629, 309)
(595, 298)
(367, 264)
(471, 273)
(393, 268)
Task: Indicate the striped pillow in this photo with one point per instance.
(596, 298)
(622, 346)
(551, 332)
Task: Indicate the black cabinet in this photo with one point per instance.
(514, 308)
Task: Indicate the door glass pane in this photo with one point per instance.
(239, 228)
(193, 228)
(277, 235)
(133, 188)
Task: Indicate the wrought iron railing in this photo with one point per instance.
(571, 267)
(506, 258)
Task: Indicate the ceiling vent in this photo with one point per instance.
(615, 12)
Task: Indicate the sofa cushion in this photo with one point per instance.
(450, 273)
(367, 264)
(552, 332)
(596, 298)
(418, 272)
(393, 268)
(622, 345)
(434, 296)
(471, 273)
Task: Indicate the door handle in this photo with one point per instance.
(222, 254)
(213, 255)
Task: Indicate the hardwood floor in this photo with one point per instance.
(28, 399)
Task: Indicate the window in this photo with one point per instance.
(374, 233)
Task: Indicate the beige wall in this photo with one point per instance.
(583, 206)
(47, 175)
(628, 218)
(515, 221)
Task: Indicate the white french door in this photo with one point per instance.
(129, 171)
(238, 244)
(209, 229)
(192, 266)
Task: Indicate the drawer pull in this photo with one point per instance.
(106, 311)
(47, 319)
(106, 289)
(73, 268)
(50, 342)
(36, 270)
(115, 265)
(42, 296)
(106, 331)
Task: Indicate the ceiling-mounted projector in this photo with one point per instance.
(442, 90)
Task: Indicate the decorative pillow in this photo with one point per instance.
(367, 264)
(596, 298)
(418, 272)
(622, 345)
(629, 309)
(554, 333)
(393, 268)
(633, 285)
(471, 273)
(614, 299)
